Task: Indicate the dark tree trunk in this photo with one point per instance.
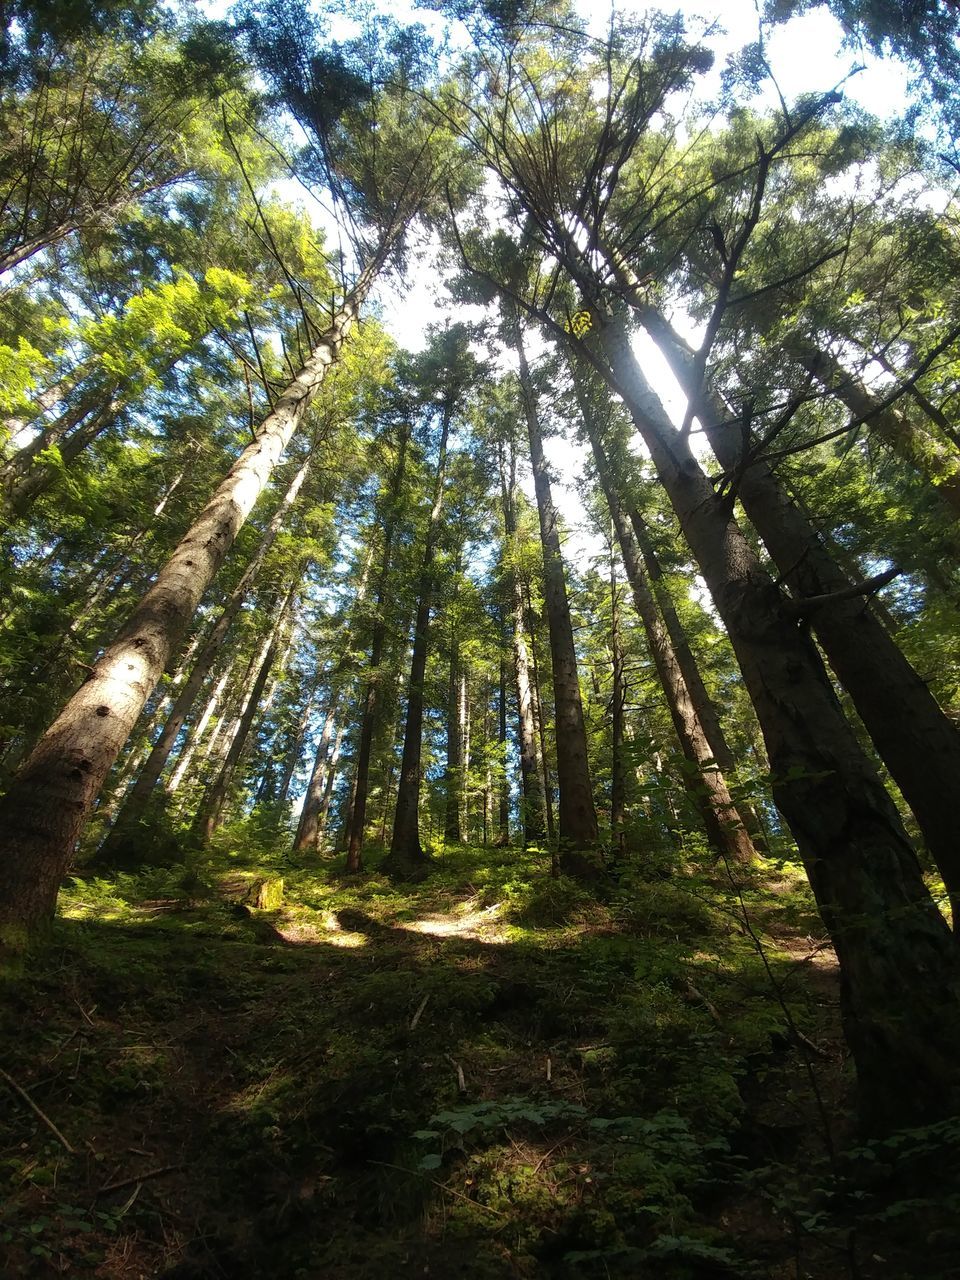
(357, 813)
(531, 790)
(618, 789)
(723, 824)
(900, 980)
(578, 834)
(453, 776)
(406, 856)
(913, 737)
(503, 788)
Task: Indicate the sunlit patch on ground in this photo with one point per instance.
(481, 924)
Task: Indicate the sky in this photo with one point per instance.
(806, 55)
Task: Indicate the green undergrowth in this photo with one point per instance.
(491, 1073)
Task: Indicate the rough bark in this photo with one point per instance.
(578, 833)
(618, 789)
(900, 979)
(915, 740)
(52, 796)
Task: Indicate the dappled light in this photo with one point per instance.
(479, 640)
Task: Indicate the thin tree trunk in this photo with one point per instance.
(308, 829)
(120, 840)
(531, 789)
(196, 735)
(357, 812)
(724, 825)
(540, 719)
(618, 789)
(210, 812)
(915, 740)
(328, 786)
(898, 963)
(50, 800)
(406, 856)
(578, 833)
(453, 776)
(503, 786)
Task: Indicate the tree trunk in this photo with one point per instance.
(618, 789)
(453, 777)
(119, 841)
(531, 789)
(328, 786)
(503, 787)
(357, 812)
(724, 825)
(308, 829)
(210, 813)
(898, 965)
(406, 856)
(913, 737)
(578, 833)
(196, 734)
(539, 718)
(51, 798)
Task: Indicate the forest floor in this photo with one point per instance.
(488, 1074)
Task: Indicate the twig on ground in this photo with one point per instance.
(420, 1008)
(140, 1177)
(42, 1115)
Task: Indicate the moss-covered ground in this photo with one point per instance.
(490, 1074)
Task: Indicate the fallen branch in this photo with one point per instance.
(420, 1008)
(417, 1173)
(42, 1115)
(140, 1177)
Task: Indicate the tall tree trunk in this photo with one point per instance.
(618, 789)
(532, 815)
(328, 786)
(51, 798)
(723, 823)
(915, 740)
(210, 812)
(122, 841)
(357, 811)
(899, 967)
(539, 717)
(578, 833)
(503, 786)
(196, 734)
(406, 856)
(453, 776)
(308, 829)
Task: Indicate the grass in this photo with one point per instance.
(490, 1074)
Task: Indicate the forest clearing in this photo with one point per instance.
(479, 646)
